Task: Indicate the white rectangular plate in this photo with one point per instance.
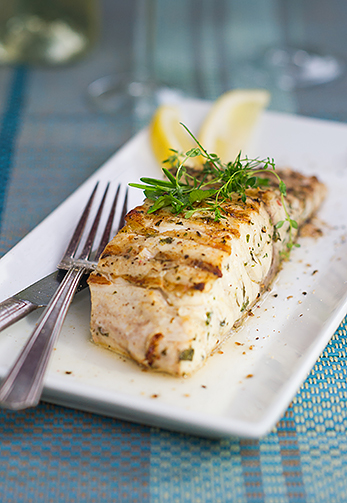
(244, 389)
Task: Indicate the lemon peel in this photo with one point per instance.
(166, 133)
(228, 125)
(225, 130)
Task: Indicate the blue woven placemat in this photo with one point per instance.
(49, 143)
(55, 454)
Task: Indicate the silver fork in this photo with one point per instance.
(22, 387)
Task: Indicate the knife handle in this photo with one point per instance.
(22, 387)
(12, 310)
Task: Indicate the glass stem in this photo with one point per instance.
(144, 40)
(292, 22)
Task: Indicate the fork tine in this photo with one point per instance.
(106, 235)
(124, 211)
(23, 385)
(91, 236)
(75, 240)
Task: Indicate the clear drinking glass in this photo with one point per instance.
(135, 94)
(275, 51)
(293, 64)
(49, 32)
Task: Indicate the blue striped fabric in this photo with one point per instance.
(9, 128)
(304, 458)
(50, 142)
(251, 470)
(53, 454)
(291, 459)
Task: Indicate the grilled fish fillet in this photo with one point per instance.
(168, 290)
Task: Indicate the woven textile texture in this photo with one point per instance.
(51, 140)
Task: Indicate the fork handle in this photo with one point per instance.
(23, 385)
(13, 309)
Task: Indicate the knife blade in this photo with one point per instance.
(31, 298)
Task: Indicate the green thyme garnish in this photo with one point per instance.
(292, 223)
(208, 318)
(186, 355)
(245, 304)
(217, 183)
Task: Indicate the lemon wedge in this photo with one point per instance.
(225, 130)
(167, 133)
(227, 127)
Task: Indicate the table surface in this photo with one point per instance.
(51, 140)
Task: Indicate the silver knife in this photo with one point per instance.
(34, 296)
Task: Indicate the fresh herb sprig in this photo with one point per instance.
(217, 183)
